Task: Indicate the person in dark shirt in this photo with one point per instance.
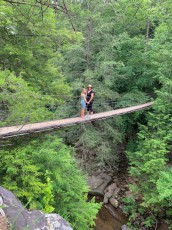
(89, 99)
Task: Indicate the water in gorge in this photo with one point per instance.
(110, 218)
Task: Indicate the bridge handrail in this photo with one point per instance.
(12, 131)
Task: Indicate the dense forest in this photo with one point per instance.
(51, 49)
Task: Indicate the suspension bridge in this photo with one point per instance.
(11, 131)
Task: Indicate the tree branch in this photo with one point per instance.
(67, 12)
(54, 6)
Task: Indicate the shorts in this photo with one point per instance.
(83, 104)
(89, 107)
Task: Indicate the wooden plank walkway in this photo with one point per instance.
(6, 132)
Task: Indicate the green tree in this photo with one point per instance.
(115, 63)
(44, 174)
(149, 163)
(30, 42)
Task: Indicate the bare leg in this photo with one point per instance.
(82, 113)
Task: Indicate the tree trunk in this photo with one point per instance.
(147, 34)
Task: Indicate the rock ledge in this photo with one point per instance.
(20, 218)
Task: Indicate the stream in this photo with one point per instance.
(110, 218)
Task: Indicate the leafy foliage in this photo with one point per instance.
(123, 48)
(149, 163)
(45, 175)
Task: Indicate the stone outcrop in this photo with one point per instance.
(111, 195)
(99, 187)
(20, 218)
(98, 184)
(114, 202)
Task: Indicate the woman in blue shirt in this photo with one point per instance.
(83, 102)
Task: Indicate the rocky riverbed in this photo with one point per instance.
(108, 190)
(110, 218)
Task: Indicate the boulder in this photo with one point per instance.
(111, 188)
(111, 193)
(107, 196)
(20, 218)
(116, 192)
(97, 184)
(114, 202)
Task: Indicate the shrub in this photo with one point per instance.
(44, 173)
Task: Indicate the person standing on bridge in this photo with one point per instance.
(83, 101)
(90, 98)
